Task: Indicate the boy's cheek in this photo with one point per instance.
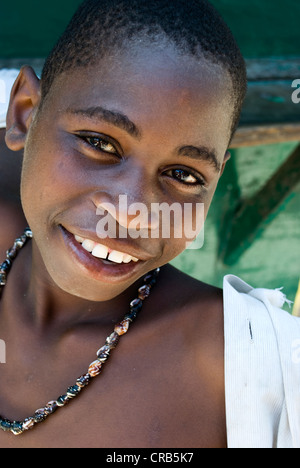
(55, 187)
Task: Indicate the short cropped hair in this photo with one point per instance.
(194, 26)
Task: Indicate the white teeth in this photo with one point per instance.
(88, 245)
(116, 257)
(101, 251)
(127, 258)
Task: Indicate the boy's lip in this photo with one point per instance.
(96, 268)
(112, 244)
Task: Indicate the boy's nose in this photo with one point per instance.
(130, 213)
(127, 196)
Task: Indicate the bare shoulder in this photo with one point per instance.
(12, 220)
(189, 336)
(191, 295)
(196, 309)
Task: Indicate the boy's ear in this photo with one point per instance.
(226, 159)
(24, 100)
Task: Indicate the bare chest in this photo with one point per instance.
(163, 386)
(131, 405)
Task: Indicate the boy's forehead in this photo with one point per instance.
(158, 69)
(144, 81)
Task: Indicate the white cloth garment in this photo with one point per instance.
(262, 368)
(7, 79)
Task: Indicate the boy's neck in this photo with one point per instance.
(31, 293)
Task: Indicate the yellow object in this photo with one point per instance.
(296, 310)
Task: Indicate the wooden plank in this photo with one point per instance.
(17, 63)
(253, 214)
(270, 102)
(269, 115)
(266, 134)
(287, 68)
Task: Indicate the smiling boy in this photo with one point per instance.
(138, 98)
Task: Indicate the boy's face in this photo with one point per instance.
(152, 125)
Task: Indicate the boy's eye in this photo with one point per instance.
(98, 143)
(101, 144)
(186, 177)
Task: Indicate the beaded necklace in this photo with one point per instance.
(95, 368)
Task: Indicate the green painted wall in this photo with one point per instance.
(273, 259)
(263, 28)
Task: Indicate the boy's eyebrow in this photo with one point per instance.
(201, 153)
(122, 121)
(110, 116)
